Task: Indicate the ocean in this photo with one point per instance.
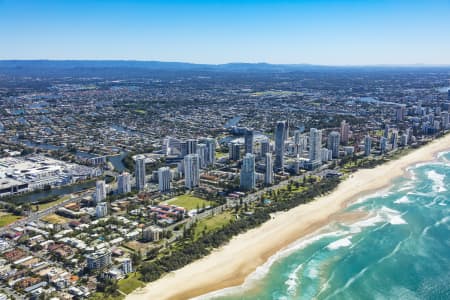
(400, 250)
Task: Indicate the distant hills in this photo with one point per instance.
(136, 68)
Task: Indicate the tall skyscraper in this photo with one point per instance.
(248, 141)
(140, 173)
(386, 130)
(234, 151)
(286, 132)
(248, 179)
(400, 113)
(268, 176)
(404, 140)
(210, 151)
(171, 146)
(345, 132)
(297, 136)
(164, 179)
(191, 171)
(394, 138)
(191, 146)
(334, 139)
(101, 210)
(280, 135)
(315, 144)
(265, 147)
(201, 151)
(383, 145)
(445, 120)
(124, 183)
(367, 145)
(100, 191)
(183, 149)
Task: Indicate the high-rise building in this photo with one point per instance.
(394, 138)
(383, 145)
(280, 136)
(98, 260)
(124, 183)
(248, 141)
(345, 132)
(152, 233)
(400, 113)
(171, 146)
(127, 266)
(201, 151)
(101, 210)
(191, 146)
(100, 191)
(191, 171)
(297, 136)
(367, 145)
(315, 144)
(404, 140)
(445, 120)
(268, 176)
(183, 149)
(234, 151)
(265, 147)
(386, 130)
(325, 155)
(140, 173)
(334, 139)
(164, 179)
(248, 178)
(300, 142)
(210, 151)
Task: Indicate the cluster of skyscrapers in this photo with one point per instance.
(199, 155)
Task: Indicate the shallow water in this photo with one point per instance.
(400, 250)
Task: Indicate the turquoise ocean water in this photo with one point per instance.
(401, 250)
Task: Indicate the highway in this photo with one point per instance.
(34, 216)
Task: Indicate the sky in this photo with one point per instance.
(323, 32)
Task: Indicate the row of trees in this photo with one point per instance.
(191, 250)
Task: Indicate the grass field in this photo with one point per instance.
(55, 219)
(189, 202)
(212, 223)
(221, 154)
(102, 296)
(131, 283)
(7, 219)
(52, 203)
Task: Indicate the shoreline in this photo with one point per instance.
(230, 265)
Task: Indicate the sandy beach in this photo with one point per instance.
(231, 264)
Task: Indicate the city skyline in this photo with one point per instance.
(212, 32)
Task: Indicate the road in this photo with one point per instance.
(34, 216)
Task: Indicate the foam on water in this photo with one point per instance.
(344, 242)
(438, 181)
(403, 200)
(335, 268)
(292, 281)
(392, 216)
(372, 221)
(262, 270)
(381, 193)
(434, 202)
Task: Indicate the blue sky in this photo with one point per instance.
(322, 32)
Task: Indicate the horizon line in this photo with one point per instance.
(220, 64)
